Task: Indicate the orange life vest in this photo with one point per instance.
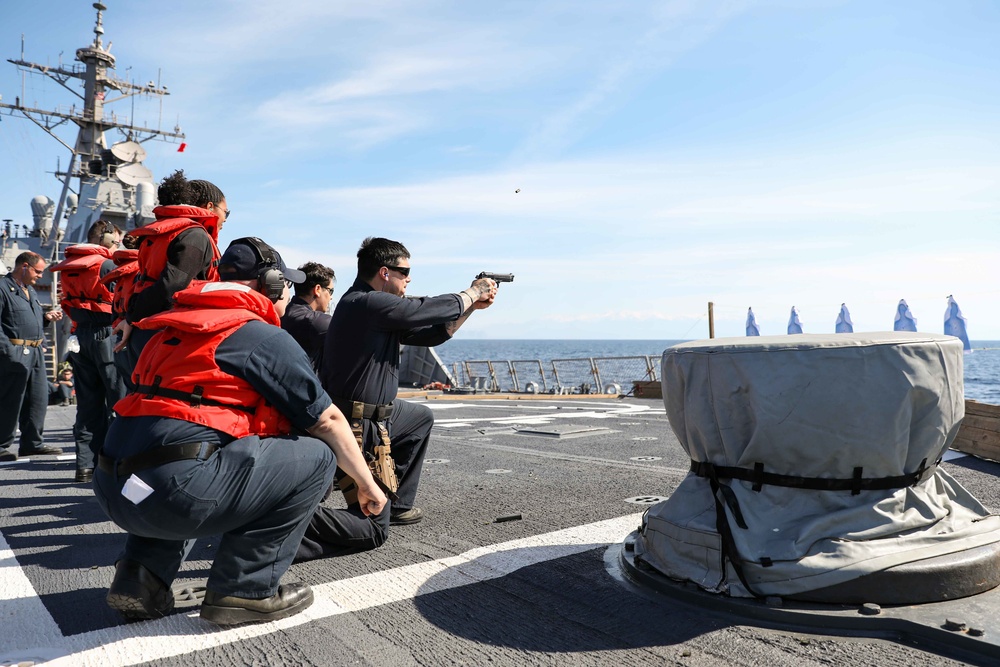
(155, 239)
(81, 278)
(177, 375)
(124, 279)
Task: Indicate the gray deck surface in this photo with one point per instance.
(457, 589)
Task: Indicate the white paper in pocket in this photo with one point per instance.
(136, 490)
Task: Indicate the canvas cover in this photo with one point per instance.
(812, 406)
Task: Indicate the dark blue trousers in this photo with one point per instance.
(98, 387)
(410, 432)
(24, 398)
(258, 494)
(338, 531)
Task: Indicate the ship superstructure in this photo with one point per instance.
(102, 181)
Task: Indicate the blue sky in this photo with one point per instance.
(753, 154)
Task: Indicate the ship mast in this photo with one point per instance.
(96, 73)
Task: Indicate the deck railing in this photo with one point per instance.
(585, 375)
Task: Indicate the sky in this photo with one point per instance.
(629, 162)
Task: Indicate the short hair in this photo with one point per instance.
(376, 252)
(316, 274)
(98, 230)
(28, 257)
(176, 190)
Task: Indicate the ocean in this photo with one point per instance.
(981, 370)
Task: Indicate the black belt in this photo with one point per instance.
(156, 457)
(376, 413)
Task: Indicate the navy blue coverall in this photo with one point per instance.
(24, 389)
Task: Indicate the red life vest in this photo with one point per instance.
(177, 375)
(81, 278)
(124, 279)
(155, 239)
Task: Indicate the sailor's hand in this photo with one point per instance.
(125, 329)
(487, 290)
(371, 499)
(54, 315)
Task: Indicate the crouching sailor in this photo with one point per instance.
(204, 447)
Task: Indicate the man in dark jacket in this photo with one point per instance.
(361, 360)
(308, 315)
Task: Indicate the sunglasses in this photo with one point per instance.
(405, 270)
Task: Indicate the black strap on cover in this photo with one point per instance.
(194, 398)
(855, 484)
(725, 497)
(728, 551)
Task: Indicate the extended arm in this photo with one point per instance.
(480, 295)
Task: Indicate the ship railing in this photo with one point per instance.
(582, 375)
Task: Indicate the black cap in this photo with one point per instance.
(249, 257)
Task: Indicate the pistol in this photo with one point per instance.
(497, 277)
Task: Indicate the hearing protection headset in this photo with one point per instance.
(270, 283)
(107, 234)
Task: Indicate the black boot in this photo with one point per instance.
(138, 593)
(231, 610)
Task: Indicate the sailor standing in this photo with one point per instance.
(87, 301)
(24, 391)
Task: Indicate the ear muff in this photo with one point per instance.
(107, 234)
(271, 283)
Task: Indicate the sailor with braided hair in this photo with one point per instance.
(180, 246)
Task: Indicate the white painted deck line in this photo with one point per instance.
(22, 613)
(182, 634)
(615, 412)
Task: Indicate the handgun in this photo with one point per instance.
(497, 277)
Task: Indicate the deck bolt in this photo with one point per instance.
(976, 632)
(870, 609)
(955, 626)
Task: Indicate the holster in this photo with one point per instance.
(380, 462)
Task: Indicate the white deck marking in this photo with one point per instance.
(24, 615)
(612, 413)
(145, 642)
(575, 458)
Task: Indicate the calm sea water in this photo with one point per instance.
(982, 367)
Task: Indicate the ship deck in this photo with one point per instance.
(527, 503)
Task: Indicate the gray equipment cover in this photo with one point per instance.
(813, 406)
